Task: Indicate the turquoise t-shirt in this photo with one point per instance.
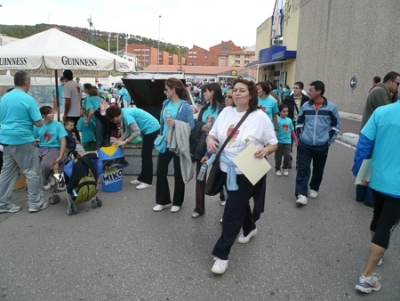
(125, 95)
(49, 134)
(285, 128)
(18, 112)
(146, 122)
(383, 127)
(92, 102)
(87, 130)
(60, 94)
(210, 115)
(172, 110)
(268, 106)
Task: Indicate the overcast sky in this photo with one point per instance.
(204, 23)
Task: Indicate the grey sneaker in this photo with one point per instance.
(11, 209)
(368, 284)
(44, 206)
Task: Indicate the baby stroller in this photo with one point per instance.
(79, 181)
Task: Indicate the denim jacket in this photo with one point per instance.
(184, 114)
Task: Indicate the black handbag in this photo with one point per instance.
(214, 180)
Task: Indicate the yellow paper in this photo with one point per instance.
(364, 172)
(253, 168)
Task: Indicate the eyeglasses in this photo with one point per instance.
(229, 96)
(396, 83)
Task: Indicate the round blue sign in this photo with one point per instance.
(353, 82)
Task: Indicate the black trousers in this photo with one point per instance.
(238, 213)
(75, 119)
(163, 196)
(305, 155)
(146, 174)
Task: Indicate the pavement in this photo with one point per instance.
(125, 251)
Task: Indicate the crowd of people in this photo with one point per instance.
(231, 118)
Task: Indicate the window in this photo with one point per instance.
(237, 62)
(237, 56)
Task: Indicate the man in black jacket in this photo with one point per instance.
(294, 103)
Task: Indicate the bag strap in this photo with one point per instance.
(231, 134)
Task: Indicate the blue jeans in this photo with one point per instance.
(305, 155)
(103, 134)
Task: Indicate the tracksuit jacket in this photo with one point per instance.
(316, 127)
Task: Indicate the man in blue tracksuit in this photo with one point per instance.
(318, 124)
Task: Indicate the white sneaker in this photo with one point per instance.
(175, 209)
(219, 266)
(195, 214)
(245, 239)
(313, 194)
(143, 186)
(278, 173)
(301, 200)
(380, 262)
(158, 208)
(47, 187)
(135, 182)
(221, 220)
(222, 203)
(52, 181)
(285, 172)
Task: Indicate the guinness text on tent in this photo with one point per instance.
(78, 62)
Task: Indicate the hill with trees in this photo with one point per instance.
(99, 38)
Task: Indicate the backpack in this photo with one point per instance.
(104, 105)
(86, 188)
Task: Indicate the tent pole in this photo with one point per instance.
(57, 102)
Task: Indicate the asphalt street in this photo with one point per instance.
(125, 251)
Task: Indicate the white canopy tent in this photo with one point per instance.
(48, 53)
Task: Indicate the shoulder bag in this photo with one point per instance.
(214, 180)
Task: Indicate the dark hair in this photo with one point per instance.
(119, 87)
(390, 76)
(113, 112)
(20, 77)
(92, 91)
(281, 106)
(251, 86)
(265, 87)
(218, 98)
(44, 110)
(319, 86)
(272, 86)
(68, 120)
(68, 74)
(62, 78)
(179, 87)
(377, 79)
(87, 86)
(300, 84)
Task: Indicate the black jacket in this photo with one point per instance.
(289, 101)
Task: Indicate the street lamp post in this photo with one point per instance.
(109, 37)
(158, 48)
(126, 44)
(117, 43)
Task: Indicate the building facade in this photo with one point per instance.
(338, 42)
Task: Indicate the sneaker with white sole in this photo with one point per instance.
(380, 262)
(44, 206)
(221, 220)
(278, 173)
(195, 214)
(12, 208)
(143, 186)
(219, 266)
(313, 194)
(175, 209)
(158, 208)
(301, 200)
(222, 203)
(135, 182)
(285, 172)
(245, 239)
(46, 187)
(368, 284)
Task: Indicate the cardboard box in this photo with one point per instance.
(21, 181)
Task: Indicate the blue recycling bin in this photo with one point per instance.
(112, 177)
